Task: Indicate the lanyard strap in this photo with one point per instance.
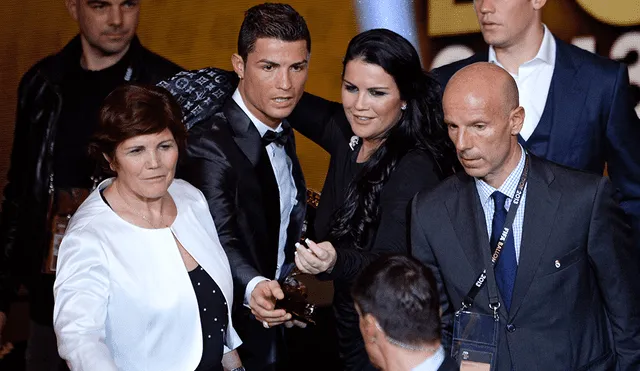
(482, 278)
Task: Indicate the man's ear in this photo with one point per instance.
(538, 4)
(238, 65)
(72, 8)
(516, 119)
(370, 326)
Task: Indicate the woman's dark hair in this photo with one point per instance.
(420, 127)
(131, 110)
(402, 295)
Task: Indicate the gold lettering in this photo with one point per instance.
(445, 17)
(615, 13)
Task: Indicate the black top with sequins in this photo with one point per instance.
(213, 317)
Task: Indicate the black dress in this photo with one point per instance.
(213, 317)
(324, 123)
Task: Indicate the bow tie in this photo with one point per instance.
(276, 137)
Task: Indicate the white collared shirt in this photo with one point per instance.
(533, 80)
(508, 188)
(282, 169)
(432, 363)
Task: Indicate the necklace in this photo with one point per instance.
(144, 217)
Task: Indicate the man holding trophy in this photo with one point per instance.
(244, 161)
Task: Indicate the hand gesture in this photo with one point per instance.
(263, 304)
(318, 258)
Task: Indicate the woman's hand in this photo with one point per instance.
(318, 258)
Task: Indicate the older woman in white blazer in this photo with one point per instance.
(142, 281)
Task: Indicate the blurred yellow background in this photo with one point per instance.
(193, 34)
(201, 33)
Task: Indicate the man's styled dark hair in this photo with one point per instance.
(271, 20)
(401, 294)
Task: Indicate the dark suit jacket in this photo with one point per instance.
(588, 120)
(227, 161)
(563, 315)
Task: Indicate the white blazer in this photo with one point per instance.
(123, 297)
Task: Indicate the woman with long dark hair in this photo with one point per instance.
(387, 142)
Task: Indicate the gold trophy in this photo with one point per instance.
(295, 292)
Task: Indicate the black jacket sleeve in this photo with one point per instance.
(206, 168)
(16, 185)
(415, 172)
(616, 263)
(322, 121)
(421, 250)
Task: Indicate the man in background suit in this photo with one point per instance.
(567, 273)
(580, 112)
(244, 161)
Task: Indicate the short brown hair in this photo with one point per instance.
(271, 21)
(135, 109)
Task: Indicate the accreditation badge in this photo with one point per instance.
(475, 341)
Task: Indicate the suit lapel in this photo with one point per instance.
(471, 230)
(541, 206)
(245, 133)
(249, 141)
(469, 226)
(567, 102)
(299, 210)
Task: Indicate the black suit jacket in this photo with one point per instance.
(227, 161)
(577, 284)
(588, 120)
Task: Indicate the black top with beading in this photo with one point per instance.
(213, 317)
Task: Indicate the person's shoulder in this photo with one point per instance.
(93, 213)
(566, 178)
(184, 189)
(416, 161)
(213, 140)
(44, 69)
(161, 66)
(591, 63)
(445, 190)
(445, 72)
(215, 128)
(185, 194)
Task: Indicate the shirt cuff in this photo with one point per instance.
(250, 286)
(233, 340)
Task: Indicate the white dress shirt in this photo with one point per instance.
(123, 297)
(508, 188)
(533, 80)
(282, 169)
(432, 363)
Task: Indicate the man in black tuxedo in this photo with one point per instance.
(244, 161)
(567, 275)
(580, 110)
